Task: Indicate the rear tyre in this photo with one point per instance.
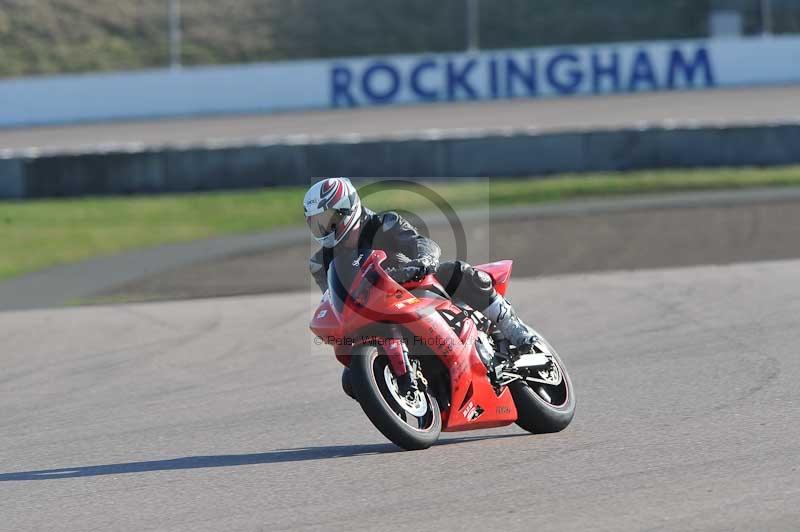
(543, 408)
(347, 386)
(409, 425)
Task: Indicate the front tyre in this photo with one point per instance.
(548, 405)
(411, 425)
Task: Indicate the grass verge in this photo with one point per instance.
(39, 234)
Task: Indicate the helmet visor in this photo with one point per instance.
(324, 223)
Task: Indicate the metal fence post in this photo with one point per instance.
(473, 25)
(175, 35)
(766, 17)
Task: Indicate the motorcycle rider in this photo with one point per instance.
(339, 222)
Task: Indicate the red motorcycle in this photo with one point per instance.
(468, 376)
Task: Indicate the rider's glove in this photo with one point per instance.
(425, 264)
(413, 270)
(404, 274)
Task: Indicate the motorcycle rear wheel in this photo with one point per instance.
(540, 409)
(371, 382)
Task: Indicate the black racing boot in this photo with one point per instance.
(501, 313)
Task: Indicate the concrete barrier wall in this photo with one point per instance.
(550, 72)
(514, 154)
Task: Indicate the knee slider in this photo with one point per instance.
(473, 286)
(482, 280)
(479, 287)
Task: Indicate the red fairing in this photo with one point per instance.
(474, 392)
(374, 297)
(500, 272)
(324, 323)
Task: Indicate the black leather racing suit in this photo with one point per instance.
(402, 243)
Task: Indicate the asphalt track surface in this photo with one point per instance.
(223, 415)
(666, 109)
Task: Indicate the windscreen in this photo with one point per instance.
(342, 271)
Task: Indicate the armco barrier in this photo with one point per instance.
(518, 153)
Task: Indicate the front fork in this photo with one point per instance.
(404, 371)
(397, 353)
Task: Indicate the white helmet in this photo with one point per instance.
(332, 208)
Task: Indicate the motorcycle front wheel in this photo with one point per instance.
(411, 424)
